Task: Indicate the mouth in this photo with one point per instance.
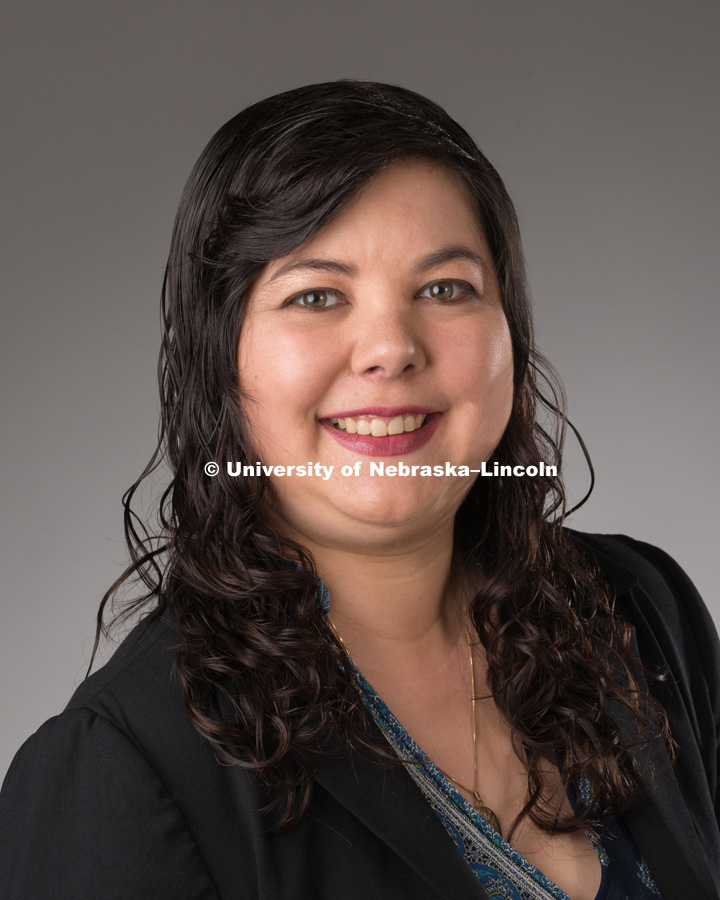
(383, 431)
(379, 426)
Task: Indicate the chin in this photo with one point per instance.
(390, 519)
(371, 525)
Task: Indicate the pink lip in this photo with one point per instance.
(391, 444)
(382, 411)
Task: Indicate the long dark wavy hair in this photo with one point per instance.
(265, 682)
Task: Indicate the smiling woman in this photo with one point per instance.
(403, 350)
(353, 684)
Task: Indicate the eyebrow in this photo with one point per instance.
(448, 254)
(436, 258)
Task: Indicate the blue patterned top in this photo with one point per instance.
(503, 872)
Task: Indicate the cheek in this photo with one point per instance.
(501, 374)
(268, 360)
(484, 367)
(283, 374)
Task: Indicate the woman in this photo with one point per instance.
(368, 667)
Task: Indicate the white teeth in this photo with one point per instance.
(377, 427)
(396, 425)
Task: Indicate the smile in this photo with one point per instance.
(379, 426)
(383, 432)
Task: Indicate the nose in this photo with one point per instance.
(388, 342)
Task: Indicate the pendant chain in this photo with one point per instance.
(477, 802)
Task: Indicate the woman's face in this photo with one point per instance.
(388, 320)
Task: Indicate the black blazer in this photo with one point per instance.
(118, 797)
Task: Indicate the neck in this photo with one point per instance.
(396, 604)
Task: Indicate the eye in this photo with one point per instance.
(315, 299)
(448, 291)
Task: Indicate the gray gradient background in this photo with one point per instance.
(601, 117)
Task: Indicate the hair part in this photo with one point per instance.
(266, 683)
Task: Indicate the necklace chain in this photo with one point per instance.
(477, 802)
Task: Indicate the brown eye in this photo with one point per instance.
(443, 290)
(316, 299)
(448, 291)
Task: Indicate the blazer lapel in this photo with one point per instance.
(388, 802)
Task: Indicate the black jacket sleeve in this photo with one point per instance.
(691, 647)
(83, 815)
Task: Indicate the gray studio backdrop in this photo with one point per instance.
(602, 118)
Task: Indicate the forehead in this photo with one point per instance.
(411, 183)
(412, 208)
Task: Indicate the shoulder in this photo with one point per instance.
(629, 561)
(84, 813)
(110, 705)
(97, 802)
(133, 706)
(672, 627)
(652, 589)
(136, 693)
(143, 663)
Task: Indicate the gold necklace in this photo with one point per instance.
(476, 802)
